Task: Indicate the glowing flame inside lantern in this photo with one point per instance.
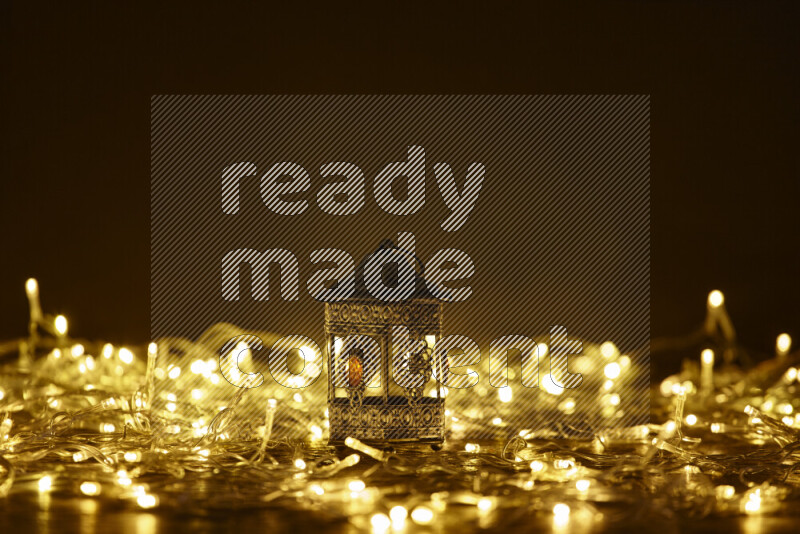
(355, 371)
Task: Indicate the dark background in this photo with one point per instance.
(77, 80)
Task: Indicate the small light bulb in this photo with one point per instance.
(608, 350)
(422, 515)
(716, 298)
(380, 522)
(398, 515)
(505, 394)
(147, 501)
(550, 386)
(125, 355)
(783, 343)
(708, 356)
(484, 505)
(583, 485)
(90, 488)
(122, 478)
(31, 286)
(472, 447)
(612, 370)
(61, 325)
(753, 503)
(725, 492)
(564, 463)
(791, 374)
(561, 510)
(356, 485)
(45, 484)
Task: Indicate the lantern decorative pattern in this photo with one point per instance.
(364, 400)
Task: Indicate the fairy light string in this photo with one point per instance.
(87, 419)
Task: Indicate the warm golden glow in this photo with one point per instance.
(398, 515)
(31, 286)
(147, 501)
(608, 350)
(45, 484)
(380, 523)
(783, 344)
(90, 488)
(612, 370)
(422, 515)
(716, 298)
(356, 485)
(125, 355)
(60, 324)
(550, 386)
(355, 371)
(561, 511)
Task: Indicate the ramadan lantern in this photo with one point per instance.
(384, 382)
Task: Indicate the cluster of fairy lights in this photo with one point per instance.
(84, 420)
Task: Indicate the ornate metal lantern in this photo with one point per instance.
(364, 358)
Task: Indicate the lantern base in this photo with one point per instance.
(391, 419)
